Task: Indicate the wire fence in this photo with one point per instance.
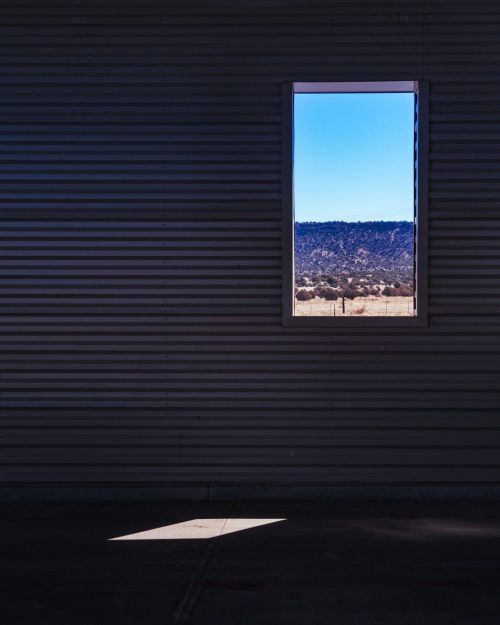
(397, 306)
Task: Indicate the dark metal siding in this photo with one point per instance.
(140, 189)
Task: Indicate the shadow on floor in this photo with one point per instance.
(343, 563)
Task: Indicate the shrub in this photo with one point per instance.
(326, 292)
(388, 291)
(304, 296)
(350, 293)
(330, 294)
(405, 291)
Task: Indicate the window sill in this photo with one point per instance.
(339, 323)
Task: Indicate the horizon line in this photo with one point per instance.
(370, 221)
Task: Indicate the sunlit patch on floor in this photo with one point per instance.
(198, 529)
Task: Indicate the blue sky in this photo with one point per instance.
(353, 157)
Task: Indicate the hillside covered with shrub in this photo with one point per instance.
(363, 257)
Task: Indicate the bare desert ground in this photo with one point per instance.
(359, 307)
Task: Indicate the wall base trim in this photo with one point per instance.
(248, 493)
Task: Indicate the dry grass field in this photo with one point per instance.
(359, 307)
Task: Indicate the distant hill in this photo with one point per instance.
(384, 248)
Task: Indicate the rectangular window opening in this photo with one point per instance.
(355, 203)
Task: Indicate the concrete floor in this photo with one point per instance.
(336, 563)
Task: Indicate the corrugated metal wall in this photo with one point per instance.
(141, 329)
